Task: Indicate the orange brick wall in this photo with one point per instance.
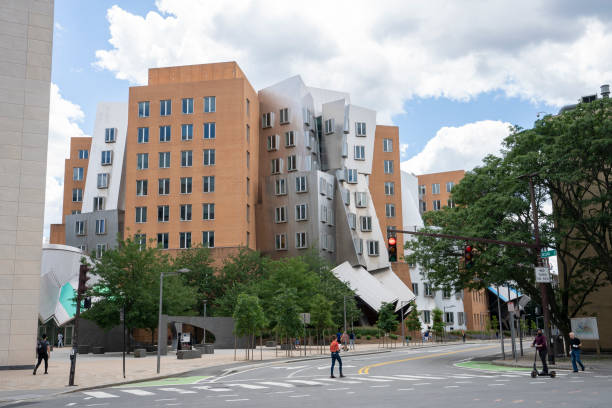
(58, 234)
(76, 144)
(438, 178)
(476, 307)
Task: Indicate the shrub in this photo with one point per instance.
(368, 337)
(377, 336)
(358, 336)
(393, 336)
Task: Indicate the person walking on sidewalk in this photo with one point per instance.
(540, 344)
(60, 340)
(352, 340)
(576, 346)
(334, 348)
(43, 349)
(345, 340)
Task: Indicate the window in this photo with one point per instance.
(248, 214)
(79, 227)
(186, 158)
(428, 289)
(423, 206)
(390, 210)
(186, 185)
(163, 186)
(83, 248)
(460, 318)
(143, 109)
(188, 106)
(449, 188)
(102, 180)
(436, 205)
(163, 213)
(142, 187)
(109, 135)
(330, 191)
(301, 185)
(280, 214)
(451, 203)
(186, 132)
(435, 188)
(267, 120)
(208, 211)
(415, 289)
(330, 243)
(209, 157)
(273, 142)
(446, 293)
(359, 152)
(329, 126)
(280, 187)
(280, 242)
(164, 160)
(77, 173)
(185, 212)
(290, 138)
(387, 145)
(107, 157)
(301, 212)
(143, 135)
(208, 184)
(142, 240)
(331, 216)
(361, 199)
(210, 104)
(284, 116)
(164, 134)
(389, 188)
(449, 317)
(165, 107)
(373, 248)
(101, 227)
(248, 160)
(184, 240)
(210, 130)
(360, 128)
(98, 203)
(366, 223)
(352, 220)
(300, 240)
(323, 213)
(291, 163)
(75, 212)
(422, 190)
(141, 214)
(100, 250)
(77, 195)
(277, 166)
(208, 239)
(248, 133)
(248, 186)
(352, 176)
(388, 166)
(83, 154)
(426, 316)
(142, 161)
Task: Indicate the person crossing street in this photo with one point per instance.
(334, 348)
(576, 346)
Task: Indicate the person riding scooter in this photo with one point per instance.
(540, 344)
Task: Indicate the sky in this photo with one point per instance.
(454, 76)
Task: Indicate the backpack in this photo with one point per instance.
(40, 348)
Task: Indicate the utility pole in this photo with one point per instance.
(511, 320)
(501, 329)
(344, 312)
(123, 322)
(204, 328)
(402, 312)
(83, 269)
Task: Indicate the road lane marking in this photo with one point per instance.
(338, 389)
(277, 384)
(464, 382)
(235, 400)
(248, 386)
(283, 392)
(306, 382)
(165, 399)
(99, 394)
(493, 385)
(299, 396)
(422, 384)
(180, 391)
(397, 378)
(344, 381)
(71, 404)
(140, 393)
(451, 386)
(502, 380)
(208, 388)
(421, 377)
(405, 389)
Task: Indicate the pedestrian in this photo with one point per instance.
(43, 349)
(60, 340)
(352, 340)
(576, 346)
(426, 335)
(334, 348)
(463, 335)
(338, 335)
(540, 344)
(345, 340)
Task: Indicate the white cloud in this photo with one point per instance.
(459, 148)
(383, 53)
(404, 149)
(64, 119)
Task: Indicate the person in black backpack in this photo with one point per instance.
(43, 349)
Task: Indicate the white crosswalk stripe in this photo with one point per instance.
(422, 377)
(209, 388)
(306, 382)
(140, 393)
(396, 378)
(248, 386)
(100, 394)
(179, 390)
(362, 378)
(277, 384)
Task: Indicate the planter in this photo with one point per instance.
(139, 353)
(83, 349)
(188, 354)
(97, 350)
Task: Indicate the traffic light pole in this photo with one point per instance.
(75, 336)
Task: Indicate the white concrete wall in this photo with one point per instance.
(26, 37)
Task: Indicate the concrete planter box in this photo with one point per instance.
(83, 349)
(270, 343)
(205, 348)
(188, 354)
(151, 348)
(287, 347)
(97, 350)
(139, 353)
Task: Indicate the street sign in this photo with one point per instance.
(549, 253)
(305, 318)
(542, 275)
(511, 306)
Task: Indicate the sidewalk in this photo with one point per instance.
(592, 362)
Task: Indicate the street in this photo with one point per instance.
(453, 375)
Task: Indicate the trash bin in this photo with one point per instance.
(558, 346)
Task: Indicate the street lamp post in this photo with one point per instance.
(161, 293)
(344, 312)
(204, 328)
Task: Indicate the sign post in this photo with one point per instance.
(542, 275)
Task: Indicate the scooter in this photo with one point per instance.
(535, 372)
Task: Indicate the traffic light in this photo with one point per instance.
(468, 256)
(87, 303)
(83, 278)
(392, 249)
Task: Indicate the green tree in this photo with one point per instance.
(285, 313)
(320, 314)
(413, 323)
(249, 319)
(438, 323)
(387, 320)
(201, 278)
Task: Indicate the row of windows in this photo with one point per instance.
(186, 186)
(165, 106)
(165, 132)
(435, 188)
(301, 213)
(184, 213)
(429, 290)
(449, 317)
(80, 227)
(186, 157)
(185, 242)
(372, 247)
(301, 241)
(436, 205)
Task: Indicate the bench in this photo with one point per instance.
(188, 354)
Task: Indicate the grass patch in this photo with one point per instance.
(483, 365)
(167, 381)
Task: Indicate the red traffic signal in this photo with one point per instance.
(392, 249)
(468, 256)
(392, 241)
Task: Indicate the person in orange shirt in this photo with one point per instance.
(334, 348)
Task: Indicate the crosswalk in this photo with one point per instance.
(295, 383)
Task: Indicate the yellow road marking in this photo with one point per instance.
(366, 369)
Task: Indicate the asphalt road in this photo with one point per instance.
(454, 376)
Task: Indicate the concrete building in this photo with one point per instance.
(26, 36)
(192, 158)
(435, 189)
